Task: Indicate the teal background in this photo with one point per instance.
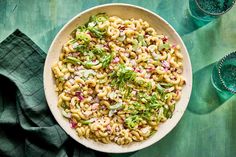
(207, 128)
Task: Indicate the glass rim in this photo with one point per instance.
(220, 63)
(215, 14)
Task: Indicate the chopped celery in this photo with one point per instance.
(117, 106)
(135, 44)
(166, 84)
(141, 40)
(160, 88)
(100, 17)
(72, 60)
(86, 122)
(164, 46)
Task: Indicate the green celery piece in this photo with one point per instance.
(89, 64)
(160, 88)
(141, 40)
(166, 84)
(100, 17)
(86, 122)
(72, 60)
(79, 28)
(61, 79)
(164, 46)
(167, 113)
(117, 106)
(135, 45)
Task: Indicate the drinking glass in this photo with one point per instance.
(204, 11)
(224, 75)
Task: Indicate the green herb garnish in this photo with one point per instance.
(123, 75)
(100, 17)
(106, 60)
(83, 37)
(96, 32)
(133, 121)
(98, 51)
(81, 48)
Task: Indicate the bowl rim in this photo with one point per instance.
(180, 115)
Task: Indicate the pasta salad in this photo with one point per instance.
(118, 79)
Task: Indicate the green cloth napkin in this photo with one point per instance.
(27, 128)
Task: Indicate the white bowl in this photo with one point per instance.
(124, 11)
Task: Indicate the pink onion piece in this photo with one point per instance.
(108, 127)
(174, 46)
(165, 64)
(116, 60)
(95, 106)
(78, 94)
(72, 123)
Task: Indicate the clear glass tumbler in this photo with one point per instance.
(204, 11)
(224, 75)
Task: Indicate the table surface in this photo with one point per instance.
(41, 20)
(200, 132)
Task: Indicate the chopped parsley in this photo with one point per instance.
(133, 121)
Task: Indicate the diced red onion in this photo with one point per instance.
(108, 127)
(164, 39)
(73, 123)
(95, 106)
(165, 64)
(79, 95)
(116, 60)
(126, 54)
(174, 46)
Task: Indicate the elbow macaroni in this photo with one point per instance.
(89, 95)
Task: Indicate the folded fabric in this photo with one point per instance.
(27, 127)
